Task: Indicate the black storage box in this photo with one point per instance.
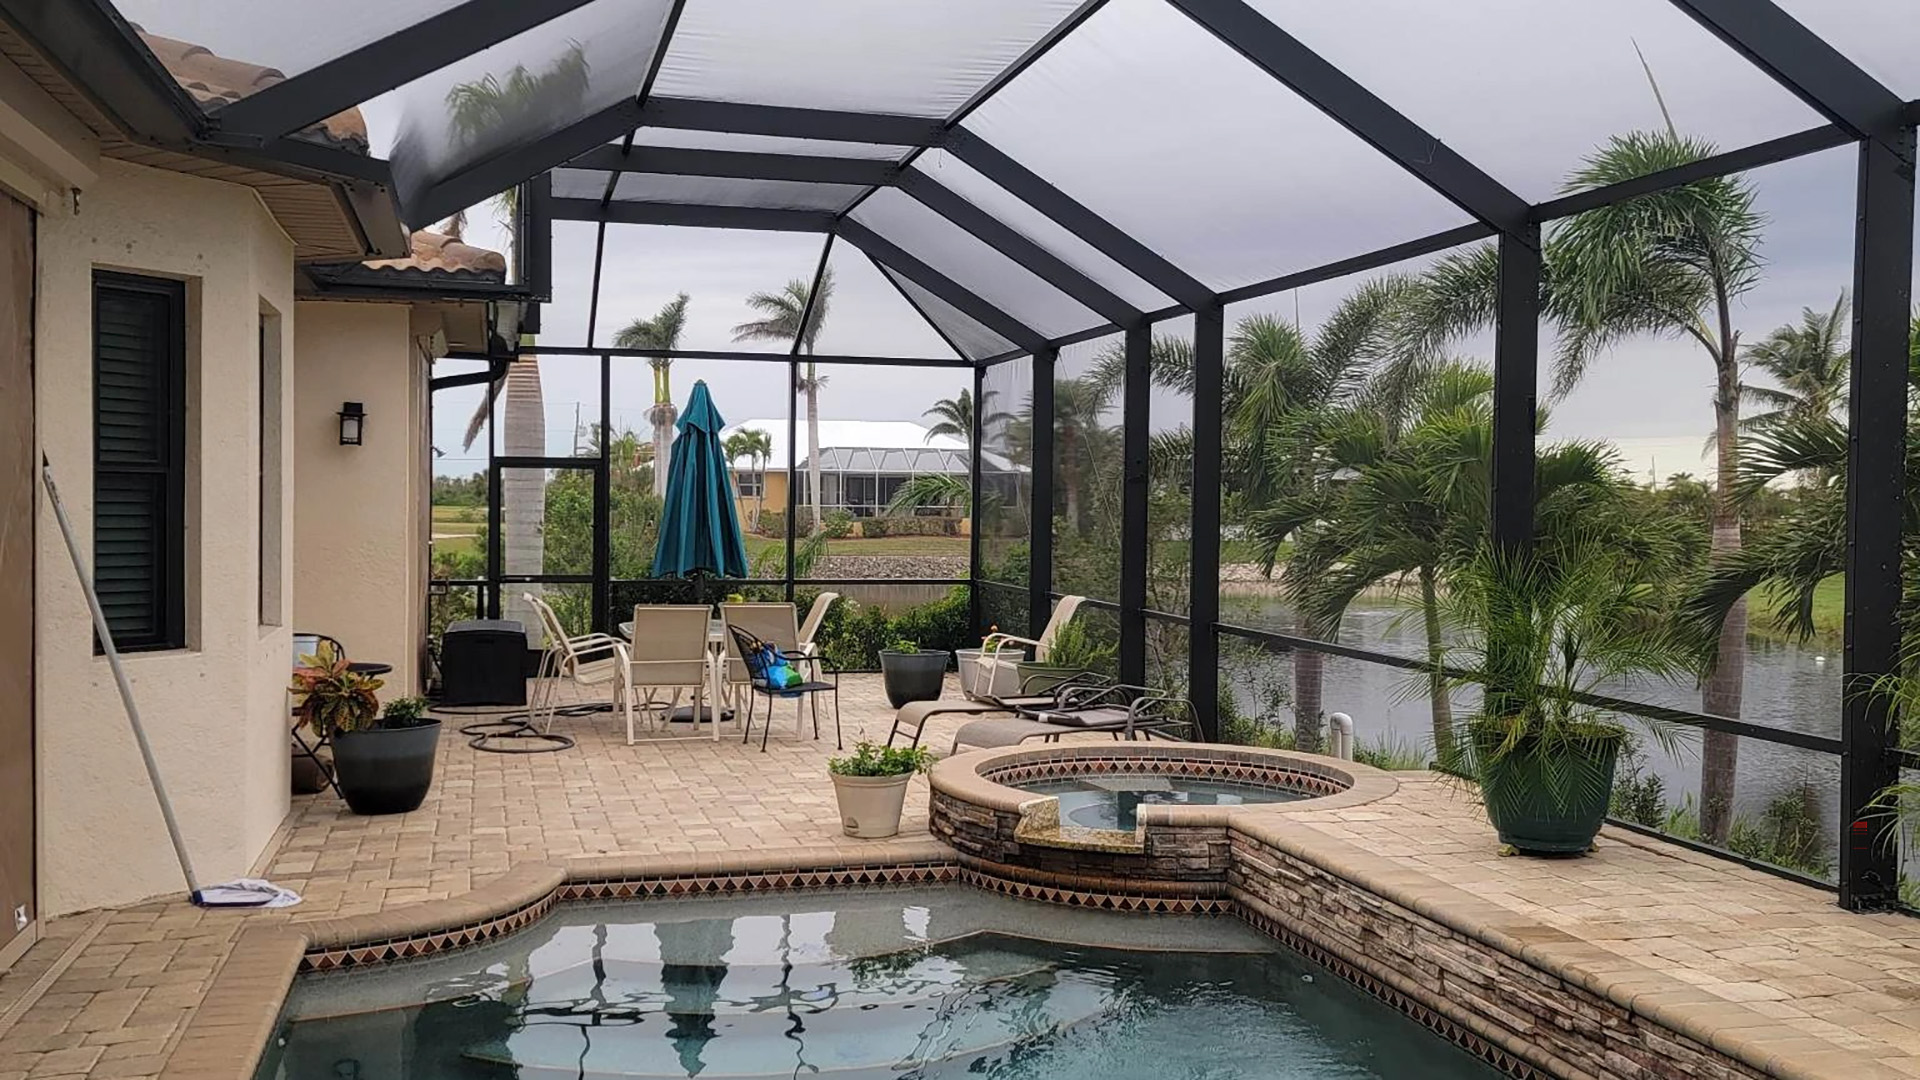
(482, 662)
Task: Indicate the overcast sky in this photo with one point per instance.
(1157, 126)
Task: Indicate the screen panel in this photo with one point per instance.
(916, 59)
(1155, 125)
(527, 87)
(1496, 80)
(972, 264)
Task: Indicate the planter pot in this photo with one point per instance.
(913, 676)
(994, 677)
(870, 805)
(309, 777)
(1523, 809)
(386, 771)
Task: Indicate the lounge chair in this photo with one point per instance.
(912, 717)
(997, 667)
(1122, 711)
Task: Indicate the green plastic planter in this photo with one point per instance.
(1528, 816)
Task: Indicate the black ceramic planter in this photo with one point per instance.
(387, 770)
(913, 676)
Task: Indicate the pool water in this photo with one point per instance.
(916, 984)
(1113, 802)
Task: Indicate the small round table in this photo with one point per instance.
(369, 667)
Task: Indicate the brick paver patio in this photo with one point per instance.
(107, 994)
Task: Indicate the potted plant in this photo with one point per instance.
(383, 761)
(871, 785)
(1538, 632)
(1073, 652)
(912, 673)
(967, 662)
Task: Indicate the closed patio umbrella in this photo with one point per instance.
(699, 523)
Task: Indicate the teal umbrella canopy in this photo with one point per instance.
(700, 523)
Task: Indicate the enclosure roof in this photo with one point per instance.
(889, 446)
(1037, 170)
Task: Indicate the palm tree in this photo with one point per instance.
(1282, 388)
(660, 332)
(784, 311)
(956, 416)
(1410, 507)
(756, 446)
(1079, 433)
(478, 111)
(1808, 361)
(1668, 264)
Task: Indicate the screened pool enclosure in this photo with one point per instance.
(1108, 222)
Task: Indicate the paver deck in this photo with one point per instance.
(106, 994)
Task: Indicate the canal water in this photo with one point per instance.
(1788, 686)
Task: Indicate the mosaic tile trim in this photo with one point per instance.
(381, 952)
(1439, 1023)
(1098, 901)
(1271, 776)
(388, 951)
(660, 888)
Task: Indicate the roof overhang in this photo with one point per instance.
(335, 203)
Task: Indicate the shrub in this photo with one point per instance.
(838, 525)
(1384, 751)
(909, 525)
(872, 759)
(853, 633)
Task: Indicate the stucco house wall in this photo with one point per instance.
(216, 709)
(358, 548)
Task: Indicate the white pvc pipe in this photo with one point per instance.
(1340, 736)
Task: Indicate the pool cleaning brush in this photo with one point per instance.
(246, 892)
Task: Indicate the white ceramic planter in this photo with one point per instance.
(870, 805)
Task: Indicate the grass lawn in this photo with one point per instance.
(456, 529)
(1829, 612)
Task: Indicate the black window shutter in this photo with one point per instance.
(139, 485)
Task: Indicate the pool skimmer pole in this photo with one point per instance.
(235, 894)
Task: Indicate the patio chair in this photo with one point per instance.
(772, 623)
(759, 655)
(997, 667)
(669, 652)
(304, 645)
(810, 626)
(587, 659)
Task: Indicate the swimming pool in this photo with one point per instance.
(922, 983)
(1113, 801)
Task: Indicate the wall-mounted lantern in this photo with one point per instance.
(353, 420)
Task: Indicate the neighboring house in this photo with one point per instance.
(181, 322)
(863, 465)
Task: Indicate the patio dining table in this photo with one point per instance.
(716, 664)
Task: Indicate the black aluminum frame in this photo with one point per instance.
(1859, 110)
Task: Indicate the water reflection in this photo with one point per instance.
(863, 994)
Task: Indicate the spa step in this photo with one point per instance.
(879, 1038)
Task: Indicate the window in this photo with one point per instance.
(267, 431)
(749, 484)
(139, 458)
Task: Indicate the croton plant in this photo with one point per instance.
(330, 697)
